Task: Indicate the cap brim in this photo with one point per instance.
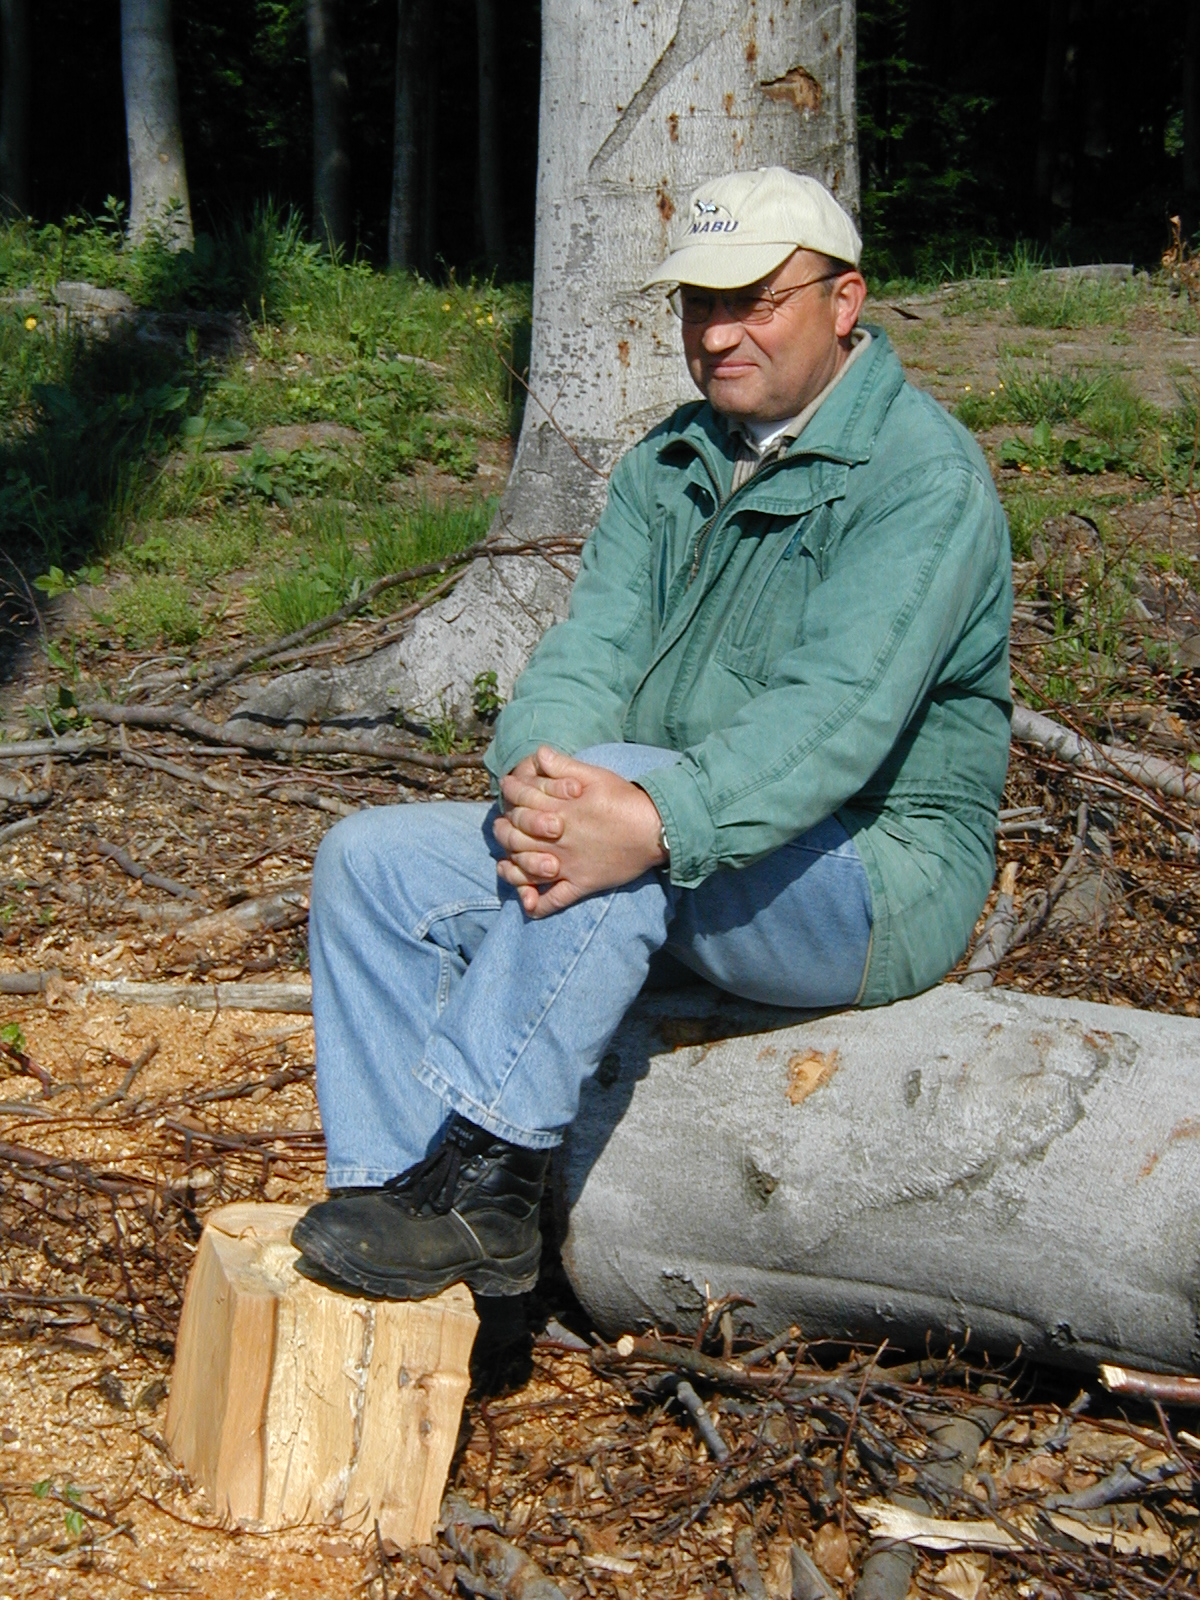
(720, 266)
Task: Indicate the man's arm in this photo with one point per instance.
(575, 690)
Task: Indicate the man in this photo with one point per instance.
(770, 740)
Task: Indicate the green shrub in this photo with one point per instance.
(156, 609)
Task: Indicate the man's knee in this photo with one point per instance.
(628, 761)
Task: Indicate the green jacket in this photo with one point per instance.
(842, 649)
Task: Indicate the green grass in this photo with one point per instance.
(159, 456)
(156, 609)
(341, 550)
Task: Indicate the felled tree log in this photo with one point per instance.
(1021, 1168)
(293, 1403)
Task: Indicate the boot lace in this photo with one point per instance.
(433, 1182)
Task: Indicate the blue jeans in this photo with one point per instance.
(433, 992)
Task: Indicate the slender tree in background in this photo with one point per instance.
(330, 97)
(491, 200)
(1191, 118)
(1052, 87)
(402, 213)
(158, 187)
(14, 106)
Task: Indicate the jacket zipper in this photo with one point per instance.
(771, 461)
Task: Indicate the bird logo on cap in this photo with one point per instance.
(707, 219)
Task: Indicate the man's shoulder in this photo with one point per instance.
(919, 433)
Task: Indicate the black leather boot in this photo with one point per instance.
(466, 1214)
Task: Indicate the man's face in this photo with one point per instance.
(767, 371)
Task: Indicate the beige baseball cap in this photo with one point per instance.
(739, 228)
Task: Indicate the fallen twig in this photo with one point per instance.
(744, 1566)
(1125, 1483)
(15, 830)
(284, 997)
(1001, 932)
(131, 1072)
(694, 1406)
(683, 1357)
(134, 869)
(281, 908)
(1031, 727)
(254, 654)
(183, 719)
(1182, 1391)
(28, 982)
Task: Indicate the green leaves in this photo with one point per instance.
(1045, 451)
(213, 433)
(12, 1037)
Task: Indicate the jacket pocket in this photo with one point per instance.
(768, 620)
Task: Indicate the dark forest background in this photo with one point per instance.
(1061, 123)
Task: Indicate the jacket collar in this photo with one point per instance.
(844, 428)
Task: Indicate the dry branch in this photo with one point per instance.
(1031, 727)
(1001, 932)
(282, 908)
(284, 997)
(1151, 1386)
(184, 720)
(134, 869)
(255, 654)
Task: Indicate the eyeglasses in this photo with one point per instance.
(755, 304)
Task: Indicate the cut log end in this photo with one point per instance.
(293, 1403)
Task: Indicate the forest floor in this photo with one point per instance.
(184, 483)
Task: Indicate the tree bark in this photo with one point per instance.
(158, 187)
(402, 215)
(14, 111)
(701, 88)
(491, 185)
(996, 1161)
(1191, 120)
(330, 97)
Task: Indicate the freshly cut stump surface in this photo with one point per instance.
(293, 1403)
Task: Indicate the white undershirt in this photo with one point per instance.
(762, 435)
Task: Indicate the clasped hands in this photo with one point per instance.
(568, 830)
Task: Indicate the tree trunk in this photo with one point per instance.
(427, 221)
(158, 188)
(701, 88)
(403, 211)
(1191, 120)
(491, 185)
(1052, 82)
(1002, 1162)
(330, 96)
(14, 112)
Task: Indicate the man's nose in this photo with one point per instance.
(722, 333)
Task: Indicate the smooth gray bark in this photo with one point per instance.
(15, 96)
(402, 214)
(1025, 1168)
(639, 104)
(330, 97)
(491, 186)
(158, 187)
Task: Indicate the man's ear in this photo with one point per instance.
(849, 293)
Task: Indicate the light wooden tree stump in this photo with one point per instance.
(294, 1403)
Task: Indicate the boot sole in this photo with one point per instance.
(488, 1276)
